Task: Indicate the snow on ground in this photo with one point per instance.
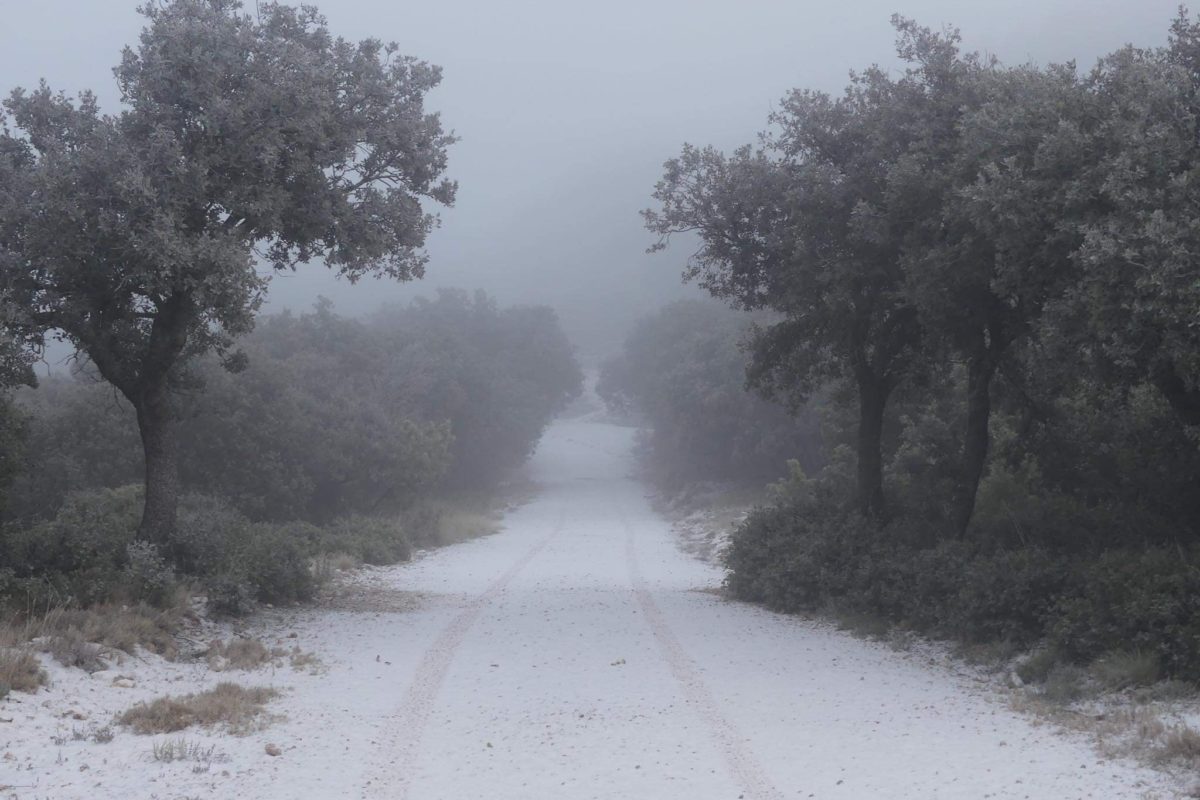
(578, 654)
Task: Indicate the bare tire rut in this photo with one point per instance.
(741, 762)
(403, 734)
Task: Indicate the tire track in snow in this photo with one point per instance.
(742, 763)
(396, 754)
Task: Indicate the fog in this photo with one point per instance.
(566, 112)
(911, 510)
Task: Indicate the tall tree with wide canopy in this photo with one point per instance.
(983, 262)
(1140, 290)
(813, 226)
(245, 143)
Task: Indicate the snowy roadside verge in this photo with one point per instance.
(1157, 725)
(66, 741)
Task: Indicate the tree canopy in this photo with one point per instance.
(245, 144)
(956, 221)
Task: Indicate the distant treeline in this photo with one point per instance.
(330, 419)
(682, 373)
(989, 274)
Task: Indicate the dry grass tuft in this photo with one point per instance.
(301, 660)
(340, 562)
(1122, 726)
(862, 625)
(71, 649)
(1127, 669)
(1179, 743)
(1065, 684)
(235, 707)
(182, 749)
(458, 525)
(84, 637)
(127, 628)
(244, 654)
(20, 671)
(327, 565)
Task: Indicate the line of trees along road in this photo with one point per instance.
(992, 273)
(334, 425)
(681, 372)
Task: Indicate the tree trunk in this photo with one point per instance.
(1185, 401)
(872, 399)
(980, 371)
(156, 423)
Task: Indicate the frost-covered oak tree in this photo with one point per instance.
(245, 145)
(810, 228)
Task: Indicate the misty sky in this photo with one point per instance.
(567, 110)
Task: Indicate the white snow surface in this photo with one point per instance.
(576, 654)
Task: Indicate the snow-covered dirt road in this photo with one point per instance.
(580, 654)
(588, 657)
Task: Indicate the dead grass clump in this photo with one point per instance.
(1038, 666)
(1179, 743)
(327, 565)
(19, 632)
(301, 660)
(862, 625)
(458, 525)
(182, 749)
(244, 654)
(20, 671)
(342, 562)
(992, 656)
(112, 627)
(128, 628)
(1126, 669)
(71, 649)
(1165, 692)
(231, 705)
(1065, 684)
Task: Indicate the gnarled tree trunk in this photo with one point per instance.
(980, 371)
(157, 425)
(872, 400)
(147, 385)
(1184, 400)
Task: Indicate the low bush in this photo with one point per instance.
(371, 540)
(147, 574)
(275, 561)
(88, 556)
(229, 594)
(81, 554)
(1145, 600)
(208, 529)
(1135, 610)
(423, 522)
